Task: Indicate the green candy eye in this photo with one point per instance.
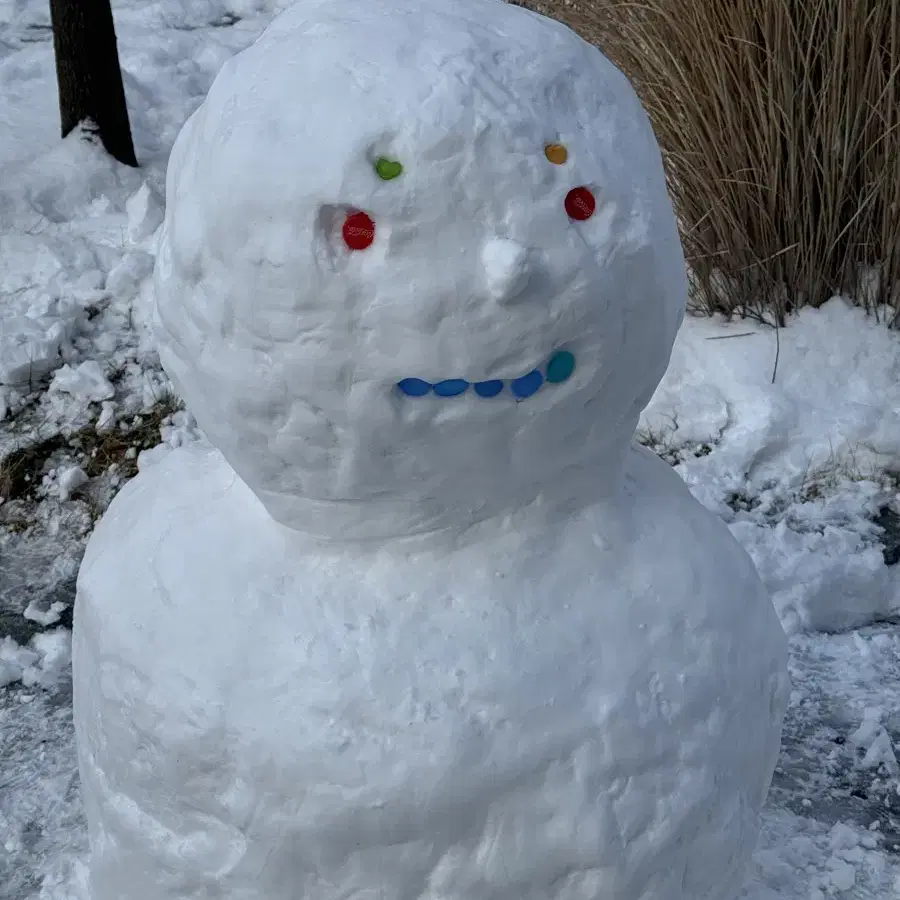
(388, 169)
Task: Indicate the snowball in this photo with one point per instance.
(288, 346)
(584, 704)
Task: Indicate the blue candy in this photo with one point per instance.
(414, 387)
(488, 388)
(452, 387)
(527, 385)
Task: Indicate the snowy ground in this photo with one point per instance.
(805, 470)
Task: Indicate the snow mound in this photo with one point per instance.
(795, 466)
(837, 373)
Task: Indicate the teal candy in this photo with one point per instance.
(561, 367)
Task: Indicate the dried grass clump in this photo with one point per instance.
(778, 121)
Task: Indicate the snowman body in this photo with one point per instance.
(571, 703)
(419, 621)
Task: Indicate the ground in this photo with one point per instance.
(791, 437)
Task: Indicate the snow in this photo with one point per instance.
(520, 708)
(498, 651)
(45, 662)
(285, 343)
(814, 534)
(86, 381)
(801, 468)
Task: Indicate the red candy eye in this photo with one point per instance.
(580, 204)
(359, 231)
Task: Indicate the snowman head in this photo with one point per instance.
(419, 264)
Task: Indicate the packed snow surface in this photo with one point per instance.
(819, 523)
(287, 344)
(572, 703)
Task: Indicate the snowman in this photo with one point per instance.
(420, 620)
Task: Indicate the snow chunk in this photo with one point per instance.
(145, 213)
(874, 740)
(44, 617)
(180, 429)
(14, 660)
(30, 347)
(152, 456)
(43, 664)
(86, 381)
(107, 418)
(69, 480)
(126, 277)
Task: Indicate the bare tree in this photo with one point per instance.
(88, 73)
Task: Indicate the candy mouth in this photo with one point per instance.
(558, 368)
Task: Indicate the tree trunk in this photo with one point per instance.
(88, 74)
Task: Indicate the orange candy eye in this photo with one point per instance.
(556, 153)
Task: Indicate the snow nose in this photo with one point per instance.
(507, 268)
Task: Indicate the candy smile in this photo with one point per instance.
(558, 368)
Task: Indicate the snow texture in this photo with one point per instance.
(571, 703)
(286, 345)
(797, 462)
(821, 525)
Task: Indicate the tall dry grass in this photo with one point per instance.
(780, 127)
